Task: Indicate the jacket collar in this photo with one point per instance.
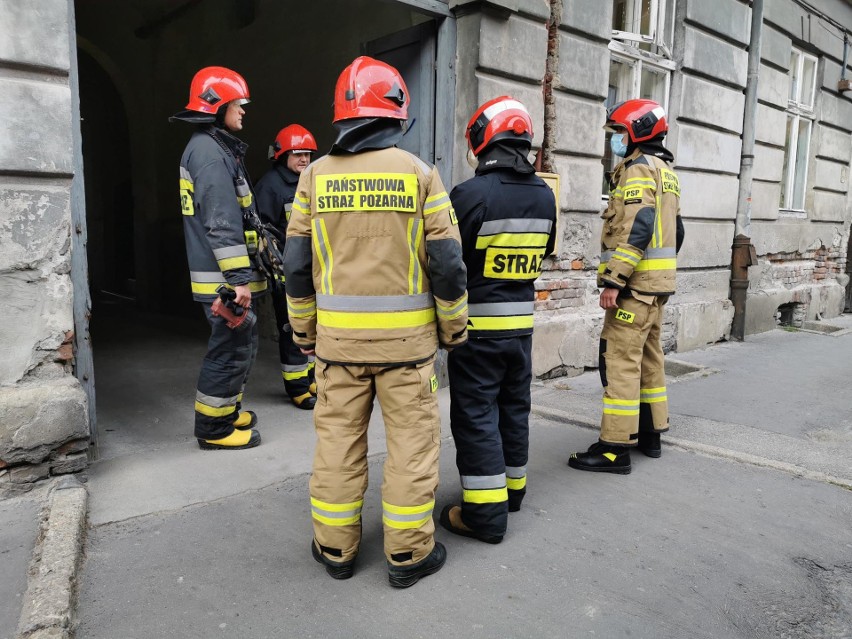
(286, 174)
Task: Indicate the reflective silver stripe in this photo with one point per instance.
(230, 251)
(479, 482)
(498, 309)
(298, 368)
(414, 240)
(646, 395)
(503, 105)
(333, 514)
(215, 402)
(206, 276)
(426, 168)
(655, 253)
(374, 303)
(515, 225)
(408, 517)
(212, 277)
(606, 256)
(185, 175)
(516, 472)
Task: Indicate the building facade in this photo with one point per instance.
(88, 204)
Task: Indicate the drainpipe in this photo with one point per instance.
(743, 254)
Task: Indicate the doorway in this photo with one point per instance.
(148, 336)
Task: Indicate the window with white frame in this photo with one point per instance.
(640, 56)
(800, 119)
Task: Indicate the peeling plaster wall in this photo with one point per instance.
(42, 406)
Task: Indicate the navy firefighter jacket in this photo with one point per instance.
(215, 193)
(507, 221)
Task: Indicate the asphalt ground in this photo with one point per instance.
(741, 529)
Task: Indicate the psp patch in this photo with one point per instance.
(624, 316)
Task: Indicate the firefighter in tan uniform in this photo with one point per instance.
(641, 236)
(375, 283)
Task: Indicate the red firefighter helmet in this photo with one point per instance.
(370, 88)
(643, 119)
(214, 86)
(503, 118)
(293, 137)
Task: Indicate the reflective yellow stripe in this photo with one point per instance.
(349, 513)
(211, 411)
(500, 323)
(415, 273)
(308, 309)
(516, 484)
(209, 288)
(435, 203)
(301, 205)
(661, 264)
(610, 456)
(245, 201)
(292, 376)
(452, 311)
(537, 240)
(326, 258)
(187, 185)
(641, 181)
(493, 496)
(230, 263)
(403, 319)
(620, 411)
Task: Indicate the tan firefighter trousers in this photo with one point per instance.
(632, 371)
(408, 399)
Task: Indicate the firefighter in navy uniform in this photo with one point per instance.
(291, 153)
(641, 236)
(375, 283)
(215, 194)
(507, 221)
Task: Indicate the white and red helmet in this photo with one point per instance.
(643, 119)
(501, 119)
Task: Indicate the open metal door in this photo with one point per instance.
(412, 52)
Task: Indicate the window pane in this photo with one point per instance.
(794, 76)
(785, 175)
(668, 31)
(653, 85)
(646, 27)
(808, 72)
(622, 14)
(620, 89)
(801, 178)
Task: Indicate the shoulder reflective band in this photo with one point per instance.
(336, 514)
(406, 517)
(365, 192)
(301, 204)
(435, 203)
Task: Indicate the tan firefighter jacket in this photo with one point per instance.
(642, 230)
(373, 260)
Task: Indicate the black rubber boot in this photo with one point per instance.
(452, 522)
(603, 458)
(337, 569)
(305, 402)
(649, 444)
(406, 576)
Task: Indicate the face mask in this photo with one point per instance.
(617, 145)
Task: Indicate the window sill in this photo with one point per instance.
(796, 214)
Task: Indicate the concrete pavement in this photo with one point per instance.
(741, 529)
